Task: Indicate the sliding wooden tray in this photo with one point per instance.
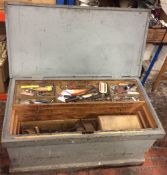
(72, 46)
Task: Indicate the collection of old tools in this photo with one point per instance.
(45, 93)
(85, 126)
(36, 91)
(67, 92)
(103, 91)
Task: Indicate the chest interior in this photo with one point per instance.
(38, 107)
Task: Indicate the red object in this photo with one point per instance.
(3, 96)
(2, 16)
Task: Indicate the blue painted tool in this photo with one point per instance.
(152, 63)
(154, 59)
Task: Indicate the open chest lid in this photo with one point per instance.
(51, 41)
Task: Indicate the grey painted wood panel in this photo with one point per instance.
(78, 155)
(68, 41)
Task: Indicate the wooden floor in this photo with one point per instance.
(156, 157)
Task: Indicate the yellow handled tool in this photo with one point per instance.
(37, 87)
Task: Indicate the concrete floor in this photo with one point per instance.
(156, 157)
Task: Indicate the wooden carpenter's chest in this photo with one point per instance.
(73, 71)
